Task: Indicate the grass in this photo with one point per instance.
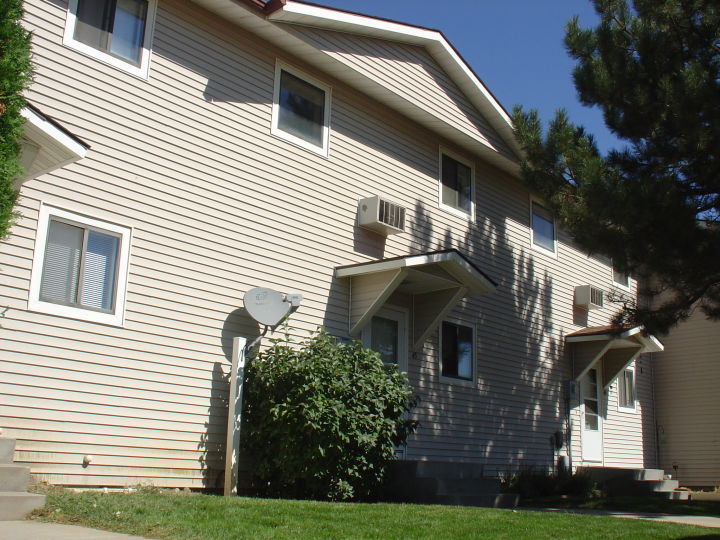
(167, 515)
(631, 504)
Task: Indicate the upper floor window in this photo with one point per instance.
(620, 279)
(457, 185)
(543, 228)
(626, 389)
(301, 110)
(114, 31)
(457, 345)
(79, 267)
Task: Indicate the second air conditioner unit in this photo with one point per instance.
(381, 216)
(588, 297)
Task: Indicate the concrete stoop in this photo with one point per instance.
(15, 502)
(440, 482)
(652, 482)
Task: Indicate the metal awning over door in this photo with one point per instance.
(435, 281)
(617, 350)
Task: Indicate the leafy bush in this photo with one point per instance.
(15, 72)
(530, 484)
(321, 419)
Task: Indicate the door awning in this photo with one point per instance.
(46, 145)
(433, 283)
(617, 349)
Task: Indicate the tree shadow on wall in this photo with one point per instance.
(213, 440)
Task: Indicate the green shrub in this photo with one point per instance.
(321, 419)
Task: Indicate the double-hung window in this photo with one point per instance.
(626, 389)
(457, 350)
(79, 267)
(457, 186)
(620, 279)
(543, 228)
(301, 110)
(117, 32)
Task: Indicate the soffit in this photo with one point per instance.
(617, 350)
(436, 281)
(46, 145)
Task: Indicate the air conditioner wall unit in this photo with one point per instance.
(588, 297)
(381, 216)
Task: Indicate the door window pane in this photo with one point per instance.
(384, 339)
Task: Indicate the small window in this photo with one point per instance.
(79, 267)
(626, 389)
(457, 351)
(456, 185)
(301, 110)
(117, 32)
(543, 228)
(621, 279)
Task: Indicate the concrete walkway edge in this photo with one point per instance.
(700, 521)
(40, 530)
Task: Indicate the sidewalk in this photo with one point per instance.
(700, 521)
(38, 530)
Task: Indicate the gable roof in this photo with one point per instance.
(278, 22)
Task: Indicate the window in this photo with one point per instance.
(620, 279)
(543, 228)
(79, 267)
(117, 32)
(626, 389)
(457, 351)
(301, 110)
(456, 186)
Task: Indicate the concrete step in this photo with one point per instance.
(7, 450)
(645, 475)
(15, 505)
(14, 477)
(664, 485)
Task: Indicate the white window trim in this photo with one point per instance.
(622, 286)
(540, 249)
(289, 137)
(140, 71)
(451, 209)
(622, 375)
(35, 304)
(455, 380)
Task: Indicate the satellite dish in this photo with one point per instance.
(266, 306)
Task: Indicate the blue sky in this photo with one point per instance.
(514, 46)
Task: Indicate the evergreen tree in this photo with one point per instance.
(653, 206)
(15, 73)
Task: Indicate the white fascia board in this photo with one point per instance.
(591, 337)
(433, 40)
(466, 274)
(42, 132)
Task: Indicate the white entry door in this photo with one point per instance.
(592, 439)
(387, 335)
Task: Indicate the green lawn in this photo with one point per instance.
(631, 504)
(205, 517)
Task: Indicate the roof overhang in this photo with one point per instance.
(273, 24)
(46, 146)
(436, 281)
(616, 349)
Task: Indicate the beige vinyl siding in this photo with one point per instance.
(218, 206)
(688, 407)
(410, 72)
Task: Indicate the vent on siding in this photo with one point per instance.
(588, 297)
(381, 216)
